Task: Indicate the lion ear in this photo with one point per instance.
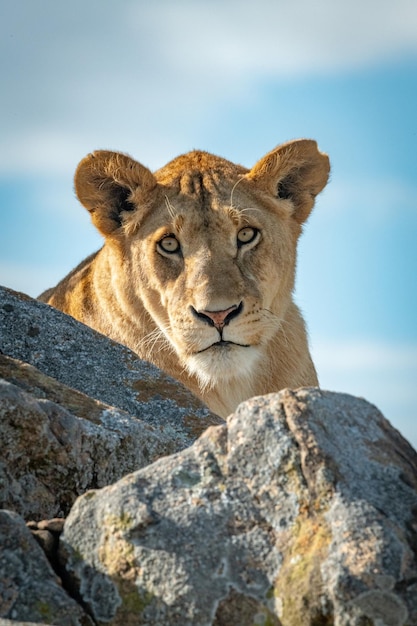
(294, 171)
(105, 183)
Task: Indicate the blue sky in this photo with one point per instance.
(235, 78)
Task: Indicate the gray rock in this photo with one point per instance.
(79, 357)
(301, 510)
(58, 437)
(9, 622)
(56, 443)
(30, 591)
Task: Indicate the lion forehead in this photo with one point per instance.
(200, 176)
(196, 164)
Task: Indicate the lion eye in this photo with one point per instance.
(169, 244)
(247, 235)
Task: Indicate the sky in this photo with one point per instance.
(236, 78)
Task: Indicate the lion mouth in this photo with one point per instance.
(223, 345)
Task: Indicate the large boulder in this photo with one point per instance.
(79, 357)
(89, 412)
(56, 443)
(300, 511)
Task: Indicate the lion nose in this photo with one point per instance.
(219, 319)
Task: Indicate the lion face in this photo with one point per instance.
(215, 274)
(201, 254)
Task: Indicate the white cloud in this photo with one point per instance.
(41, 150)
(239, 38)
(77, 76)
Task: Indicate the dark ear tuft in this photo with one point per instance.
(284, 189)
(120, 203)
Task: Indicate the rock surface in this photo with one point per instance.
(79, 357)
(30, 591)
(56, 442)
(302, 510)
(9, 622)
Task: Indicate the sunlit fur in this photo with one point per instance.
(158, 302)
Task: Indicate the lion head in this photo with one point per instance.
(198, 266)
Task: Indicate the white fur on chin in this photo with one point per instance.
(219, 365)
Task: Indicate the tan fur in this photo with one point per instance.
(165, 305)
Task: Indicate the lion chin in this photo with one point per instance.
(197, 270)
(222, 362)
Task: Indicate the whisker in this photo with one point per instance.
(250, 208)
(235, 211)
(171, 209)
(239, 180)
(155, 342)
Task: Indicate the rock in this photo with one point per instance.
(51, 453)
(56, 441)
(9, 622)
(55, 525)
(79, 357)
(30, 591)
(300, 511)
(47, 542)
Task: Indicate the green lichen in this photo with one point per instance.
(134, 601)
(365, 621)
(90, 494)
(271, 593)
(76, 555)
(44, 611)
(118, 558)
(299, 584)
(122, 522)
(187, 478)
(265, 618)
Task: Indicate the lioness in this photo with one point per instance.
(197, 269)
